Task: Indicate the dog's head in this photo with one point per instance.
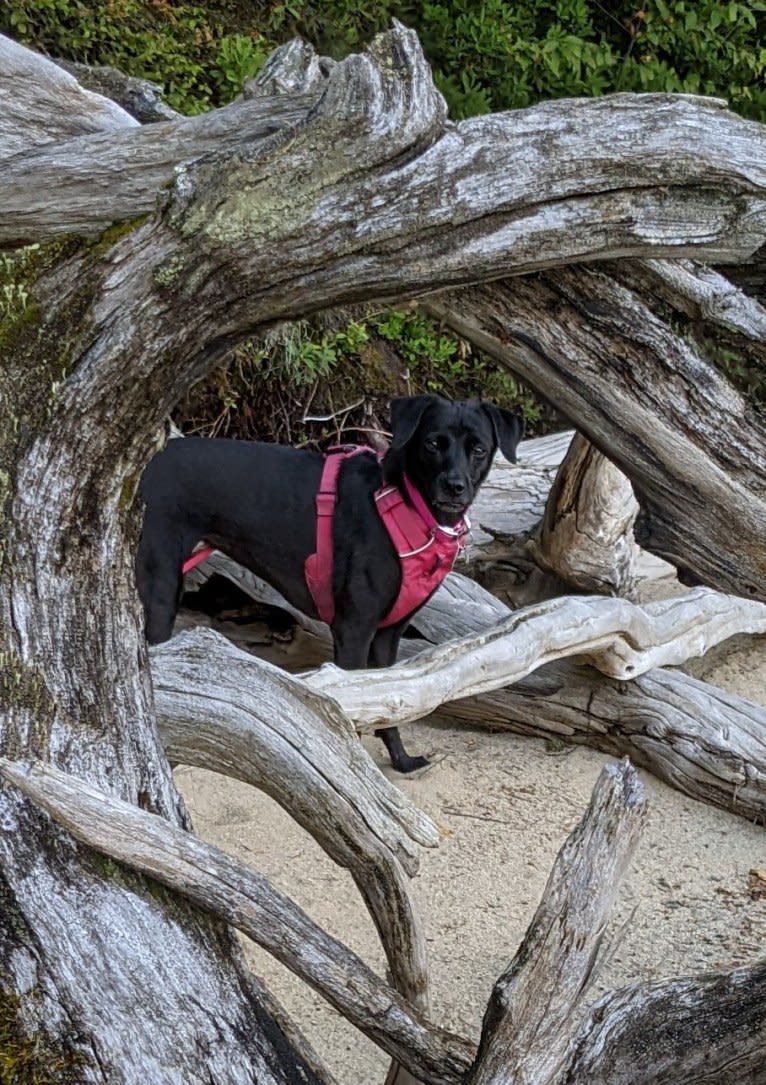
(445, 447)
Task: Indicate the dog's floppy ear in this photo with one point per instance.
(508, 427)
(406, 412)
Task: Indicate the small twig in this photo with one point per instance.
(335, 414)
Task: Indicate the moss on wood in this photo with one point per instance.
(35, 1058)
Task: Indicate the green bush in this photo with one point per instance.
(183, 47)
(486, 56)
(505, 54)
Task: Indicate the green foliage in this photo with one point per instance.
(438, 361)
(486, 56)
(183, 47)
(506, 54)
(340, 378)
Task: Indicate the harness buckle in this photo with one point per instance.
(325, 504)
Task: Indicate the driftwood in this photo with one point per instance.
(701, 740)
(688, 442)
(537, 1030)
(698, 739)
(269, 730)
(180, 860)
(350, 186)
(586, 535)
(621, 639)
(532, 1012)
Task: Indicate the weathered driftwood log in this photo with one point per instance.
(266, 728)
(534, 1006)
(706, 743)
(701, 740)
(362, 192)
(621, 639)
(586, 535)
(699, 1030)
(246, 900)
(690, 444)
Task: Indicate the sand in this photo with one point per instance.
(509, 803)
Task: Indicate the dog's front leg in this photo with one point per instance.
(383, 649)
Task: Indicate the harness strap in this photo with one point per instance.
(404, 525)
(196, 559)
(318, 566)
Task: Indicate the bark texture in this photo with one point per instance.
(690, 444)
(334, 184)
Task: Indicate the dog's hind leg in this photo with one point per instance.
(383, 651)
(161, 552)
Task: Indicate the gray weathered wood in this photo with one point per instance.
(364, 191)
(586, 535)
(530, 1020)
(699, 1030)
(219, 710)
(688, 442)
(617, 176)
(246, 900)
(619, 638)
(705, 742)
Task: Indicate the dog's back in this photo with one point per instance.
(253, 500)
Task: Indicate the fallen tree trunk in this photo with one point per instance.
(702, 741)
(621, 639)
(689, 443)
(700, 1030)
(705, 742)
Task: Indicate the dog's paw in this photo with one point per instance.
(411, 764)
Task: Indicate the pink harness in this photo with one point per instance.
(427, 550)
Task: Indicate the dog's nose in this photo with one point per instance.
(455, 486)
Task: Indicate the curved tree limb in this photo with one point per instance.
(218, 711)
(577, 190)
(246, 900)
(689, 443)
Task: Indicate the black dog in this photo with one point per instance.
(255, 502)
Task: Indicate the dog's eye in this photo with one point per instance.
(478, 451)
(431, 445)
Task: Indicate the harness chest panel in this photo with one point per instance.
(427, 550)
